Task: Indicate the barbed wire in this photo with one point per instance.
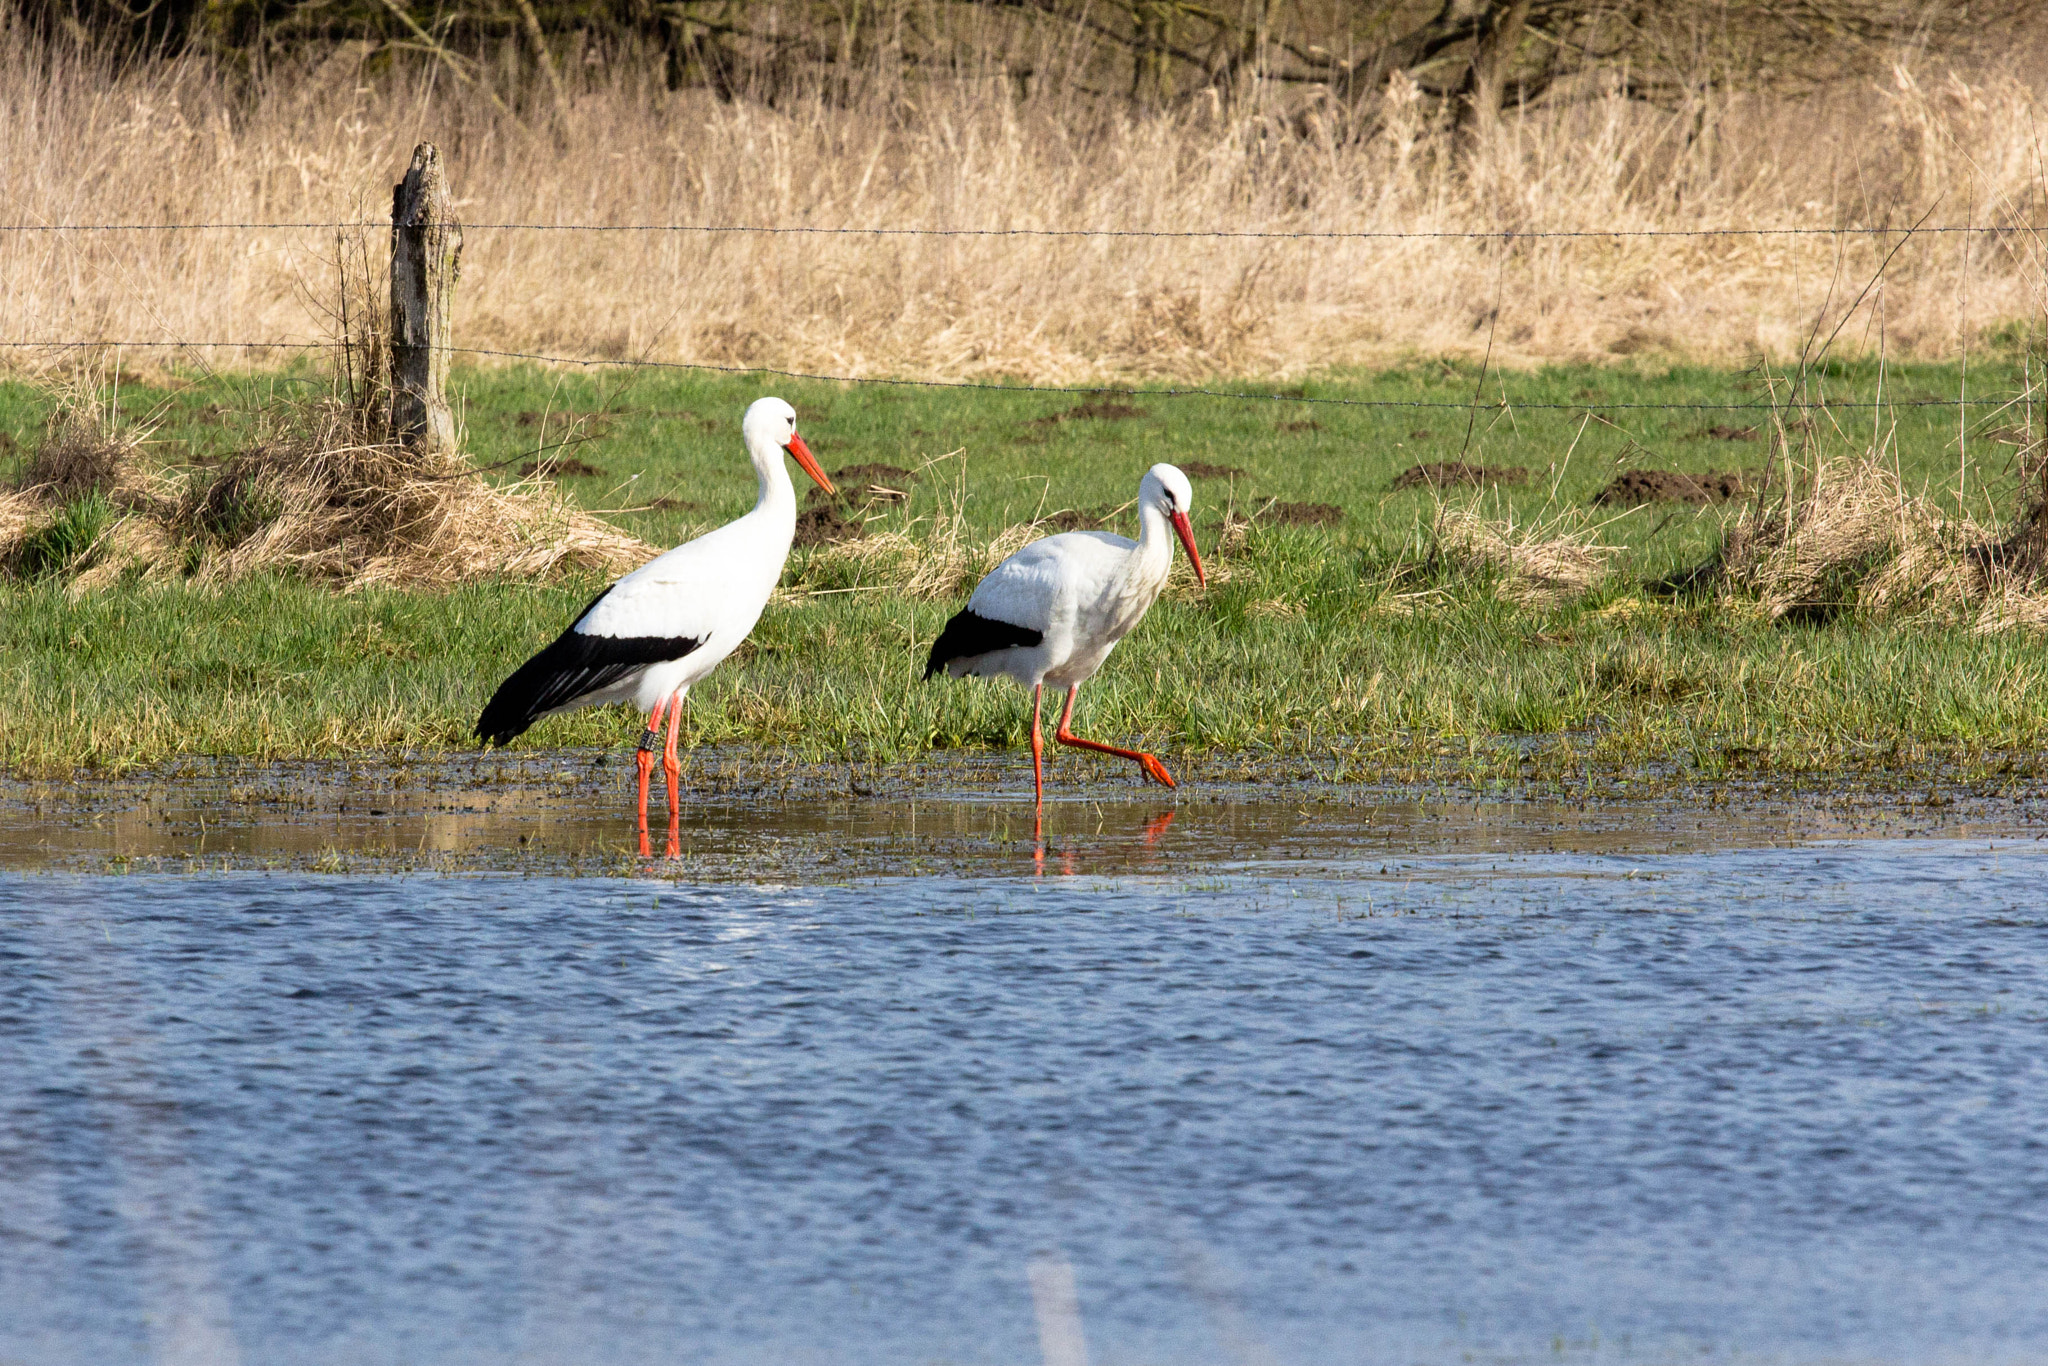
(1474, 234)
(1120, 390)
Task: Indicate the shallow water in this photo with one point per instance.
(1333, 1094)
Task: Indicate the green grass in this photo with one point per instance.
(1293, 654)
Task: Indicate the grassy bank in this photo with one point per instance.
(1345, 638)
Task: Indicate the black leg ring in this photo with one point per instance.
(650, 740)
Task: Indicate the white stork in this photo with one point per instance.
(659, 629)
(1053, 611)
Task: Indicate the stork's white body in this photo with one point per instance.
(1052, 612)
(664, 626)
(1082, 591)
(711, 590)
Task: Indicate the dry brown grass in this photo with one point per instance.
(173, 142)
(1536, 565)
(360, 513)
(310, 496)
(1853, 539)
(937, 559)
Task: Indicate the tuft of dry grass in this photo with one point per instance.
(1540, 565)
(1856, 540)
(326, 503)
(321, 140)
(313, 495)
(942, 564)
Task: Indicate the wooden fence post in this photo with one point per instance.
(426, 254)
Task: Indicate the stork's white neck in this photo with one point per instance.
(777, 496)
(1152, 561)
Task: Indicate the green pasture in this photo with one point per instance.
(674, 435)
(1296, 652)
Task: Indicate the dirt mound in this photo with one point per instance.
(825, 522)
(1303, 514)
(1723, 432)
(1304, 425)
(1202, 469)
(893, 476)
(1631, 487)
(868, 485)
(560, 467)
(1446, 474)
(1093, 410)
(1079, 519)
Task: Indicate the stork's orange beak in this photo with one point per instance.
(1186, 531)
(797, 448)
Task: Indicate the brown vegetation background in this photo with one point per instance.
(1472, 116)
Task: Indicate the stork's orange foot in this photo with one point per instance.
(1155, 770)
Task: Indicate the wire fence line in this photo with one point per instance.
(1474, 234)
(1820, 403)
(1504, 236)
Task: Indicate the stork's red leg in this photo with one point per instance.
(1152, 768)
(649, 738)
(672, 769)
(1037, 749)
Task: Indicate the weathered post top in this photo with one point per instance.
(426, 253)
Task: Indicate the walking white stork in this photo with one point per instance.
(659, 629)
(1053, 611)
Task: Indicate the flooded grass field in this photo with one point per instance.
(419, 1065)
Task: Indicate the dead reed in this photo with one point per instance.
(323, 139)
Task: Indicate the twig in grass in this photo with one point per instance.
(1492, 322)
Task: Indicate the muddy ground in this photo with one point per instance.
(753, 818)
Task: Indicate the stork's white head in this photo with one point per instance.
(770, 425)
(1166, 490)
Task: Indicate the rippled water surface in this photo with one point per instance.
(1775, 1103)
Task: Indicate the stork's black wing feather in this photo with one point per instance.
(574, 666)
(968, 635)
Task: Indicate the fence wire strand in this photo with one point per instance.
(1119, 390)
(1499, 235)
(1467, 235)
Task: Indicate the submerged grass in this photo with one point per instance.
(1366, 642)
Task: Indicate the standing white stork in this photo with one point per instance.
(1053, 611)
(659, 629)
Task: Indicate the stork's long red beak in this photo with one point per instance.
(1186, 531)
(797, 448)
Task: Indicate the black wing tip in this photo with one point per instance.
(969, 635)
(497, 731)
(572, 668)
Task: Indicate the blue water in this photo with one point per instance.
(1781, 1104)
